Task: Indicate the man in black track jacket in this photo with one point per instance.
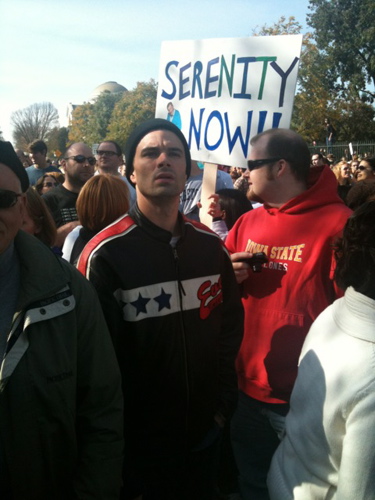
(173, 309)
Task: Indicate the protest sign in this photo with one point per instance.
(221, 92)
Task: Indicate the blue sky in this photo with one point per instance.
(60, 50)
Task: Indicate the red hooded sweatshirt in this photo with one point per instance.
(294, 286)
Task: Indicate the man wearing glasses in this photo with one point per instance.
(109, 159)
(78, 163)
(60, 386)
(295, 228)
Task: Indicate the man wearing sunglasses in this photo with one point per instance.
(296, 227)
(78, 163)
(109, 159)
(60, 387)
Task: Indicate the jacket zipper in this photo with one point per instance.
(182, 292)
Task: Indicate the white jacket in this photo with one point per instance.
(328, 451)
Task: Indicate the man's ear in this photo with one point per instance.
(133, 177)
(282, 167)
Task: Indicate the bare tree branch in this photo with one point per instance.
(33, 122)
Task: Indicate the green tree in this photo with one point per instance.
(57, 140)
(282, 27)
(344, 31)
(33, 122)
(134, 107)
(90, 121)
(79, 126)
(100, 117)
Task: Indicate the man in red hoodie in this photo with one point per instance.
(296, 227)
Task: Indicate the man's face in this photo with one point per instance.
(159, 166)
(79, 173)
(262, 183)
(38, 158)
(354, 165)
(107, 158)
(11, 219)
(316, 161)
(170, 109)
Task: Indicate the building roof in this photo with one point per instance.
(112, 87)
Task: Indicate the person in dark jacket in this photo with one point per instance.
(172, 305)
(61, 406)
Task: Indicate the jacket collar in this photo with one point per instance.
(152, 229)
(355, 314)
(41, 275)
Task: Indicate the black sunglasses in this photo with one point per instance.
(49, 184)
(254, 164)
(102, 152)
(362, 168)
(82, 159)
(8, 198)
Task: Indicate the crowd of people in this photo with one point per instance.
(146, 356)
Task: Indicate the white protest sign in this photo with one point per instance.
(221, 92)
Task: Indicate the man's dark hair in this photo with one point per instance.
(286, 144)
(319, 155)
(235, 204)
(355, 252)
(361, 192)
(117, 146)
(370, 161)
(38, 146)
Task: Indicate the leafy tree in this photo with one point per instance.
(134, 107)
(57, 140)
(345, 34)
(100, 118)
(90, 120)
(79, 126)
(33, 122)
(281, 27)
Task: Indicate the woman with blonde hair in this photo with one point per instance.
(344, 180)
(102, 200)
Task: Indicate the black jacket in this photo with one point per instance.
(176, 320)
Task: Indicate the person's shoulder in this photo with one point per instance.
(200, 229)
(54, 192)
(51, 168)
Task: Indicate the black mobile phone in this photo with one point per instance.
(256, 261)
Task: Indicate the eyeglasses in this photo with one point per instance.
(362, 168)
(49, 184)
(254, 164)
(102, 152)
(82, 159)
(8, 198)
